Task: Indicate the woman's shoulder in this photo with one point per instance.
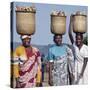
(20, 47)
(69, 47)
(66, 46)
(52, 47)
(35, 49)
(85, 46)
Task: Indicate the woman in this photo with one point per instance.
(81, 56)
(26, 64)
(61, 58)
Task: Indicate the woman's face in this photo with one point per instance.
(26, 42)
(79, 40)
(58, 39)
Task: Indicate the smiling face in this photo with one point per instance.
(26, 42)
(58, 40)
(79, 39)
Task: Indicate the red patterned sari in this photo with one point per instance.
(29, 68)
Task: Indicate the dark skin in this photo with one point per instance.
(58, 39)
(71, 29)
(79, 43)
(26, 42)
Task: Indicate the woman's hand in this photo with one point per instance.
(72, 78)
(17, 83)
(47, 66)
(81, 75)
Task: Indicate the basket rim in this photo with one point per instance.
(26, 11)
(58, 16)
(79, 15)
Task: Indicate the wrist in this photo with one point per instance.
(17, 78)
(81, 74)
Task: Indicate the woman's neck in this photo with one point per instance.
(80, 46)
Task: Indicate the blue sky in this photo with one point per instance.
(43, 36)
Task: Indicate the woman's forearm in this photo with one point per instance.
(70, 30)
(84, 65)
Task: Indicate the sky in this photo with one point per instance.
(43, 35)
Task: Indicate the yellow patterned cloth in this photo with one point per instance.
(20, 56)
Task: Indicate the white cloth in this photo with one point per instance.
(80, 55)
(25, 36)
